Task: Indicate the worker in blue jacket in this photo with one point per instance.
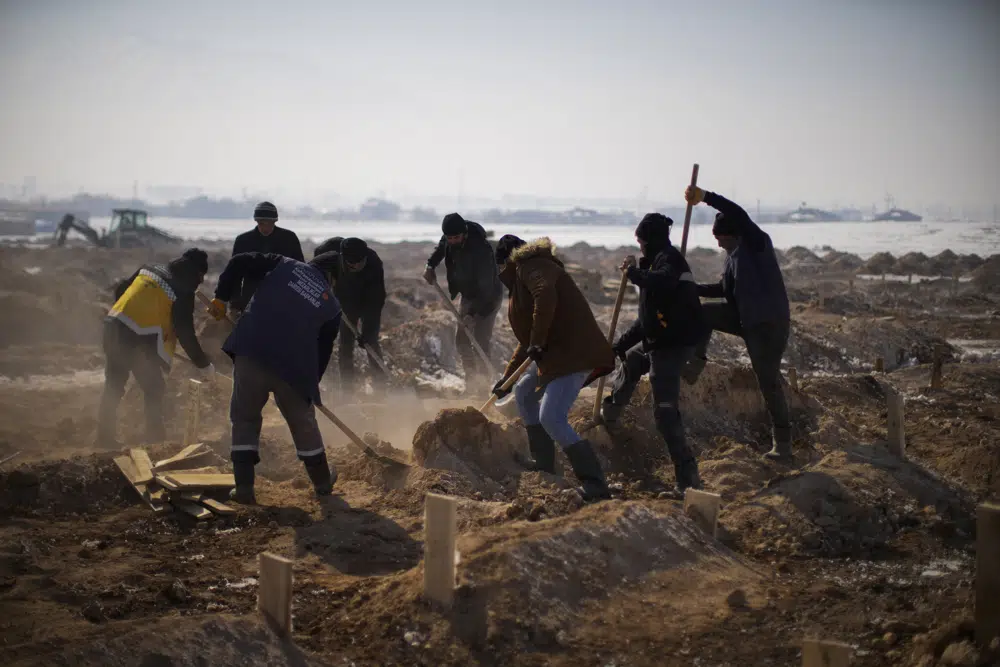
(755, 308)
(281, 345)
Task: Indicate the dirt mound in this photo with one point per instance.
(801, 255)
(176, 642)
(914, 263)
(879, 263)
(86, 484)
(842, 261)
(987, 276)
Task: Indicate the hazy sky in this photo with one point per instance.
(827, 101)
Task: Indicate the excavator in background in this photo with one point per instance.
(129, 228)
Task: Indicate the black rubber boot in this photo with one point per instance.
(687, 476)
(321, 476)
(782, 447)
(610, 413)
(243, 473)
(543, 449)
(587, 469)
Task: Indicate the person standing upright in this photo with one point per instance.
(472, 272)
(266, 238)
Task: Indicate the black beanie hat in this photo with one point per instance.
(265, 211)
(723, 226)
(654, 229)
(328, 262)
(197, 258)
(353, 249)
(453, 225)
(507, 244)
(329, 245)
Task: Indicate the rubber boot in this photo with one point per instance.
(687, 476)
(587, 469)
(543, 450)
(693, 368)
(782, 447)
(243, 473)
(610, 412)
(321, 476)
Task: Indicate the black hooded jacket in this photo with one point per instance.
(669, 309)
(472, 271)
(359, 292)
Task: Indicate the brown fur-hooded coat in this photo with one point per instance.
(547, 309)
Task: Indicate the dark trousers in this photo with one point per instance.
(482, 329)
(369, 327)
(664, 368)
(766, 343)
(252, 385)
(127, 353)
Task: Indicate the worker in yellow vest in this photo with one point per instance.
(153, 310)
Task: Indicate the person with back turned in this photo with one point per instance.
(660, 341)
(153, 311)
(755, 308)
(359, 284)
(266, 238)
(555, 327)
(282, 346)
(472, 272)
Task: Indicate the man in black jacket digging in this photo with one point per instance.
(265, 238)
(472, 272)
(661, 341)
(755, 308)
(359, 283)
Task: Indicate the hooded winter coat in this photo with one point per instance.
(471, 271)
(547, 309)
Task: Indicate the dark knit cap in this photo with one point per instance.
(328, 262)
(329, 245)
(507, 244)
(353, 249)
(453, 225)
(654, 229)
(196, 258)
(265, 211)
(723, 226)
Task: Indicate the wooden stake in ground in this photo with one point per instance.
(936, 369)
(193, 421)
(879, 365)
(895, 426)
(793, 379)
(611, 339)
(274, 591)
(987, 573)
(687, 213)
(703, 508)
(439, 548)
(816, 653)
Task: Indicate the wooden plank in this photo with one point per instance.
(193, 509)
(217, 507)
(817, 653)
(193, 419)
(143, 466)
(987, 573)
(156, 495)
(127, 466)
(936, 369)
(274, 591)
(166, 483)
(193, 496)
(895, 425)
(190, 463)
(703, 508)
(439, 548)
(190, 451)
(196, 480)
(793, 379)
(879, 365)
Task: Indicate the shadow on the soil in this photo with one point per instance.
(357, 542)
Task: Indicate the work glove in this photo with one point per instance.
(694, 195)
(217, 309)
(207, 373)
(499, 390)
(429, 275)
(535, 352)
(627, 263)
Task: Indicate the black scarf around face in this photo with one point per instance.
(654, 231)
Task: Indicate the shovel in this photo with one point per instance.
(475, 344)
(328, 413)
(508, 383)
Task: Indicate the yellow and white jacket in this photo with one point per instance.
(146, 308)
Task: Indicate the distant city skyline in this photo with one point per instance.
(779, 100)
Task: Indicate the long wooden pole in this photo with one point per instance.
(687, 213)
(611, 339)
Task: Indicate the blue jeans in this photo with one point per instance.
(550, 407)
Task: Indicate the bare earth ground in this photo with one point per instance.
(849, 543)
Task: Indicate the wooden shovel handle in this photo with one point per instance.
(687, 213)
(611, 339)
(508, 383)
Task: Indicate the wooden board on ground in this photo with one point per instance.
(180, 459)
(193, 509)
(274, 591)
(703, 508)
(439, 548)
(816, 653)
(143, 466)
(221, 509)
(127, 467)
(197, 480)
(193, 496)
